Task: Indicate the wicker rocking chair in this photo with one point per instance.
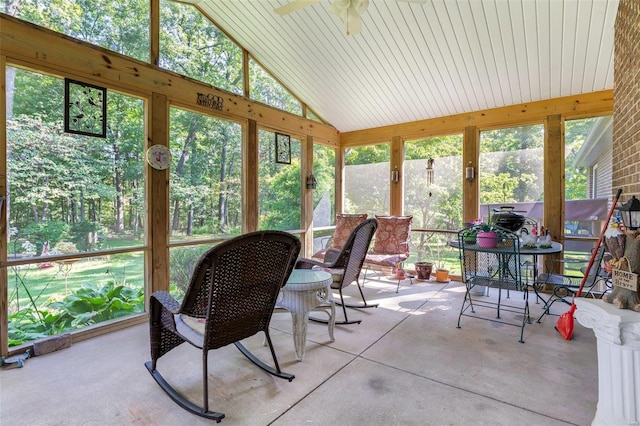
(231, 296)
(345, 265)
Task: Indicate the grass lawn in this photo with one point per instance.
(42, 283)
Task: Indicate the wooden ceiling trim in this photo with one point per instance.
(577, 106)
(41, 47)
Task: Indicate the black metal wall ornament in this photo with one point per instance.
(85, 109)
(283, 148)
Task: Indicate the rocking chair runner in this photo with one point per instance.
(231, 296)
(345, 264)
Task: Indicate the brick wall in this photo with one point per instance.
(626, 99)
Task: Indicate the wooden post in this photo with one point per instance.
(470, 157)
(250, 178)
(554, 180)
(307, 199)
(158, 220)
(396, 203)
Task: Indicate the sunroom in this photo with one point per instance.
(91, 228)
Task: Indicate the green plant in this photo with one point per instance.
(89, 305)
(92, 304)
(183, 261)
(47, 230)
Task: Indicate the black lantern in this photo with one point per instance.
(311, 182)
(630, 212)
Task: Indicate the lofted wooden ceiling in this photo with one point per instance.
(415, 61)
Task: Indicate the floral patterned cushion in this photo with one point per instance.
(345, 224)
(392, 234)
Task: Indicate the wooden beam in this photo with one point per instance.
(471, 188)
(554, 177)
(577, 106)
(4, 284)
(250, 178)
(154, 35)
(33, 45)
(307, 197)
(245, 72)
(158, 199)
(395, 163)
(339, 180)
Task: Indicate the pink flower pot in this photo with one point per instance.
(487, 239)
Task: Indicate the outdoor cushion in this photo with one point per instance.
(392, 235)
(345, 224)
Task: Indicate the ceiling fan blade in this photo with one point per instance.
(294, 6)
(349, 11)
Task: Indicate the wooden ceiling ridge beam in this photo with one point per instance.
(31, 44)
(572, 107)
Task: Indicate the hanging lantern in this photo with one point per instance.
(430, 162)
(630, 212)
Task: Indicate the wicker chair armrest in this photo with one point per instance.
(167, 301)
(304, 263)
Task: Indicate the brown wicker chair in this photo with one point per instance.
(345, 264)
(231, 296)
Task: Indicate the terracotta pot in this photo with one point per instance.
(423, 269)
(442, 275)
(487, 239)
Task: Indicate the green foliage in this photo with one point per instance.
(367, 154)
(85, 235)
(183, 261)
(264, 88)
(576, 132)
(52, 231)
(89, 305)
(280, 186)
(191, 45)
(121, 29)
(511, 166)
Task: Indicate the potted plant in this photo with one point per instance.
(486, 238)
(423, 270)
(442, 275)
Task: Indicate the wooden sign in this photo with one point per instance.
(625, 279)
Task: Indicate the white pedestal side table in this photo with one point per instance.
(618, 340)
(306, 290)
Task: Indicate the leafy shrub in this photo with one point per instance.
(183, 261)
(47, 230)
(89, 305)
(85, 235)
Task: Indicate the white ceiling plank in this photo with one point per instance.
(507, 36)
(569, 37)
(556, 32)
(521, 53)
(532, 27)
(498, 53)
(415, 61)
(543, 20)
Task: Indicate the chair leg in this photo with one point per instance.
(344, 311)
(181, 400)
(271, 370)
(357, 306)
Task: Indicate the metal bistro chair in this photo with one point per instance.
(231, 296)
(497, 267)
(565, 286)
(345, 265)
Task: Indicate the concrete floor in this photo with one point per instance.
(405, 364)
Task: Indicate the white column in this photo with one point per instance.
(618, 338)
